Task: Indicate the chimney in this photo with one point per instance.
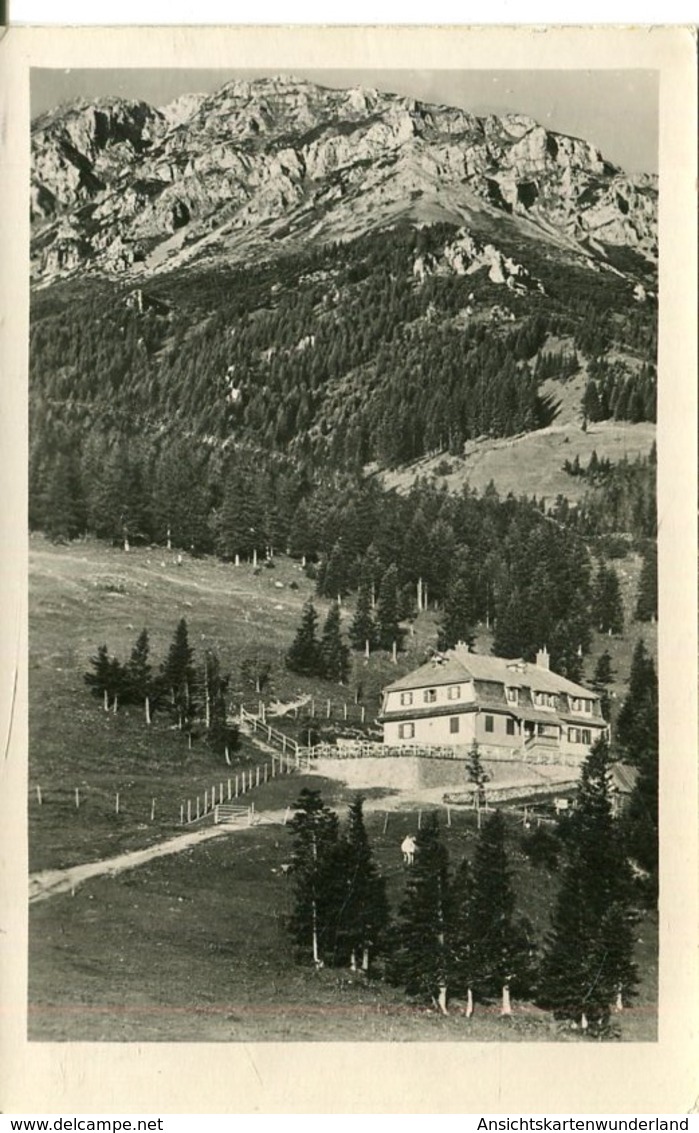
(542, 658)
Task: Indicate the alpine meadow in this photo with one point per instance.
(343, 574)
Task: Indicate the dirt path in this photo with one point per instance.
(49, 882)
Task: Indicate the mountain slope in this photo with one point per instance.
(276, 165)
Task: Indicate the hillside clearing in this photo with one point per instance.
(531, 464)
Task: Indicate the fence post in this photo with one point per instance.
(448, 816)
(363, 713)
(265, 773)
(182, 814)
(189, 810)
(257, 775)
(344, 709)
(152, 810)
(38, 794)
(116, 803)
(229, 790)
(419, 820)
(197, 806)
(327, 711)
(236, 786)
(273, 767)
(77, 798)
(220, 793)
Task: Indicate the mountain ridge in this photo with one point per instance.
(260, 166)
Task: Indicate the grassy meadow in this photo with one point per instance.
(193, 946)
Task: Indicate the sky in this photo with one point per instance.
(615, 110)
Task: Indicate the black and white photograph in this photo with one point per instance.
(344, 642)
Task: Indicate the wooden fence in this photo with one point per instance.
(292, 756)
(316, 708)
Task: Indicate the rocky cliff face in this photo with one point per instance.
(260, 167)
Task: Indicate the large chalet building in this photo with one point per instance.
(513, 709)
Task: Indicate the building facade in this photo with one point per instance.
(510, 707)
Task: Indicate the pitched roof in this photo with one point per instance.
(459, 665)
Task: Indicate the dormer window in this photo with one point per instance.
(512, 695)
(581, 705)
(545, 699)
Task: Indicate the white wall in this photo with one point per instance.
(433, 730)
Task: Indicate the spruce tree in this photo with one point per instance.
(603, 677)
(333, 573)
(101, 681)
(640, 822)
(362, 630)
(637, 725)
(364, 918)
(420, 959)
(456, 622)
(502, 944)
(464, 954)
(476, 773)
(608, 609)
(387, 609)
(647, 598)
(141, 688)
(178, 675)
(588, 964)
(334, 653)
(303, 656)
(319, 879)
(604, 674)
(221, 736)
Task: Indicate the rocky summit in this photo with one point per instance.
(280, 165)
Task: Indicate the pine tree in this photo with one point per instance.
(420, 959)
(319, 877)
(647, 599)
(334, 654)
(362, 631)
(303, 655)
(588, 963)
(387, 609)
(178, 675)
(502, 945)
(364, 918)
